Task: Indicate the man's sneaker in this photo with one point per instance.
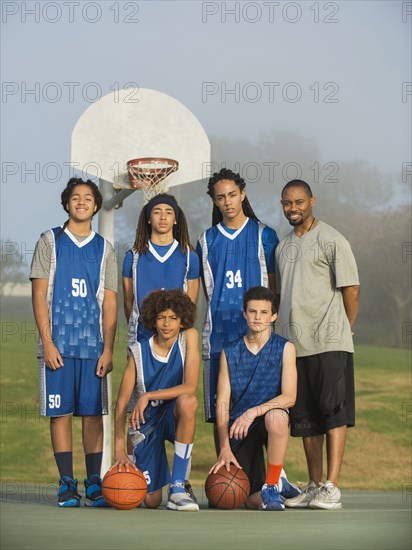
(327, 498)
(94, 496)
(67, 495)
(179, 499)
(302, 500)
(271, 499)
(288, 489)
(189, 491)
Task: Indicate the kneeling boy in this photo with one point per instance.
(165, 369)
(257, 385)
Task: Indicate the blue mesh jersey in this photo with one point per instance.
(75, 293)
(254, 379)
(156, 373)
(163, 267)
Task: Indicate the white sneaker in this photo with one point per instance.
(327, 498)
(189, 491)
(180, 500)
(306, 496)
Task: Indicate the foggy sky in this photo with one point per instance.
(336, 73)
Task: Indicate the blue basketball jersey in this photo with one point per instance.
(232, 262)
(254, 379)
(155, 373)
(75, 293)
(152, 271)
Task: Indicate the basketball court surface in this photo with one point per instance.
(30, 519)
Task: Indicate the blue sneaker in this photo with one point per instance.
(287, 489)
(67, 495)
(271, 499)
(94, 495)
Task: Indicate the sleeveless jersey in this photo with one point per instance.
(153, 272)
(75, 293)
(254, 379)
(232, 263)
(156, 373)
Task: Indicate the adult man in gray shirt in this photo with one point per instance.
(318, 282)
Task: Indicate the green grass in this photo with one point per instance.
(378, 449)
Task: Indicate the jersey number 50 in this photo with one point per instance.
(234, 278)
(79, 288)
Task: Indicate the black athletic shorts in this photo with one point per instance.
(326, 394)
(250, 454)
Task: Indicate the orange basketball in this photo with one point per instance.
(124, 490)
(227, 490)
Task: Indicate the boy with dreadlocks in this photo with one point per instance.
(74, 286)
(236, 253)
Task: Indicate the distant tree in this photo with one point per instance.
(382, 244)
(13, 269)
(356, 198)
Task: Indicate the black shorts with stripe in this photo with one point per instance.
(326, 394)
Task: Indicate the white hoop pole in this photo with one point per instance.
(106, 230)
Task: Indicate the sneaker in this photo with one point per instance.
(67, 495)
(179, 499)
(271, 499)
(288, 489)
(302, 500)
(189, 491)
(327, 498)
(94, 496)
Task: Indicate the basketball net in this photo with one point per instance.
(150, 175)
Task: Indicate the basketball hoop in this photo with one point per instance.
(149, 175)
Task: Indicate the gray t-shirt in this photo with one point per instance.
(310, 271)
(40, 265)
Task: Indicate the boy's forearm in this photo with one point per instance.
(120, 424)
(222, 423)
(109, 321)
(223, 433)
(282, 401)
(171, 393)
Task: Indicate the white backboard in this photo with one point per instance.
(135, 123)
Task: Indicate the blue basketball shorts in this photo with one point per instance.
(74, 389)
(150, 454)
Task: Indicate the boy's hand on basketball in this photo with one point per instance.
(104, 364)
(241, 425)
(52, 358)
(225, 458)
(137, 415)
(122, 461)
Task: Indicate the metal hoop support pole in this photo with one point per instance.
(106, 230)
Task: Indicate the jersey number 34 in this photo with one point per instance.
(234, 279)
